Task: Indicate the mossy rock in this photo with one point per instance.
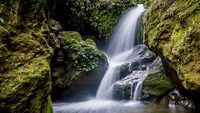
(173, 28)
(25, 83)
(156, 85)
(26, 86)
(76, 62)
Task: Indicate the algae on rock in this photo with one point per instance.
(25, 83)
(157, 84)
(172, 29)
(77, 62)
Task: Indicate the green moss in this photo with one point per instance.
(179, 43)
(189, 81)
(93, 17)
(35, 69)
(24, 43)
(71, 36)
(3, 32)
(186, 13)
(90, 42)
(49, 108)
(157, 84)
(25, 81)
(103, 17)
(82, 57)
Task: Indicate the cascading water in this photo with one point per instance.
(124, 36)
(120, 48)
(119, 52)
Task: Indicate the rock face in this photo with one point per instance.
(77, 66)
(25, 83)
(172, 29)
(142, 67)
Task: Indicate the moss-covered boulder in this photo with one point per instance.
(172, 29)
(25, 83)
(157, 84)
(77, 66)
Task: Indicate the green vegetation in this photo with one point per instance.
(173, 28)
(80, 57)
(92, 17)
(157, 84)
(25, 83)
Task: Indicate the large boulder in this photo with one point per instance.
(139, 59)
(172, 30)
(156, 84)
(141, 72)
(77, 67)
(25, 83)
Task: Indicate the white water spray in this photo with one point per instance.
(124, 35)
(123, 40)
(120, 48)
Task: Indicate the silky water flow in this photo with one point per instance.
(123, 40)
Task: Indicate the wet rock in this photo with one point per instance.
(54, 41)
(56, 27)
(176, 40)
(139, 60)
(124, 89)
(156, 84)
(25, 83)
(143, 69)
(175, 98)
(54, 38)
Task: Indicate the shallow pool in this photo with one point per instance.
(109, 106)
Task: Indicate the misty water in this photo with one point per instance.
(119, 50)
(110, 106)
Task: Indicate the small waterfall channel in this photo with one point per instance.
(120, 51)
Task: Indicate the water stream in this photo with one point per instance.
(120, 48)
(110, 106)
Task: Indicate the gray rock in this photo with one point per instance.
(139, 60)
(142, 66)
(56, 27)
(156, 84)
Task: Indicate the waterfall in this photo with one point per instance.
(137, 91)
(120, 48)
(124, 36)
(121, 51)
